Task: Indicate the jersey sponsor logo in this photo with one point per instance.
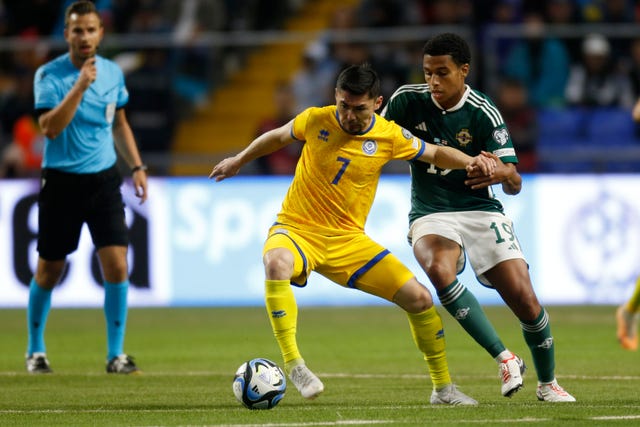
(501, 136)
(464, 137)
(369, 147)
(110, 112)
(323, 135)
(407, 134)
(422, 126)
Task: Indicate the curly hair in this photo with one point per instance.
(449, 44)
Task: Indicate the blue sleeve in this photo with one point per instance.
(45, 91)
(123, 93)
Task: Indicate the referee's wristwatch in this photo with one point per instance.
(137, 168)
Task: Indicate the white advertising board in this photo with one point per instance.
(197, 242)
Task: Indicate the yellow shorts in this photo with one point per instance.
(352, 260)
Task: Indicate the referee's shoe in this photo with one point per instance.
(122, 364)
(38, 363)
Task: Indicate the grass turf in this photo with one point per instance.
(372, 372)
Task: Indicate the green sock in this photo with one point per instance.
(464, 307)
(537, 334)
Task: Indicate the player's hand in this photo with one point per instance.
(225, 169)
(140, 185)
(88, 73)
(477, 180)
(482, 165)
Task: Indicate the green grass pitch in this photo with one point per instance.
(372, 372)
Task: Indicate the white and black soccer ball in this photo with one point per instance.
(259, 384)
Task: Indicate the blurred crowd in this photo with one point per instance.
(536, 71)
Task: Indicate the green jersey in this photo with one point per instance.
(473, 125)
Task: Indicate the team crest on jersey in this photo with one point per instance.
(110, 112)
(323, 135)
(501, 136)
(369, 147)
(464, 137)
(406, 134)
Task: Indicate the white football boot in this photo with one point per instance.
(450, 395)
(552, 392)
(307, 383)
(511, 371)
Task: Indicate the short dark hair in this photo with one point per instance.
(82, 7)
(449, 44)
(359, 80)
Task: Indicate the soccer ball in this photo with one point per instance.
(259, 384)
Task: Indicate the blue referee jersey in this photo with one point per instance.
(86, 145)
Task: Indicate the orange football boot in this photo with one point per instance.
(627, 328)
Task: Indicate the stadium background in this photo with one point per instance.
(202, 81)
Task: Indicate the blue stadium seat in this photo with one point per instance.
(609, 127)
(561, 127)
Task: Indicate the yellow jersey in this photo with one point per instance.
(337, 176)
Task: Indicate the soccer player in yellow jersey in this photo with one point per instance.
(321, 224)
(627, 317)
(628, 314)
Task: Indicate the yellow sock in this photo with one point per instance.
(634, 303)
(283, 314)
(428, 334)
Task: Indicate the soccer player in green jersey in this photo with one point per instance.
(321, 224)
(453, 213)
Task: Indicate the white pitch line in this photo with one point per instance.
(311, 423)
(324, 375)
(616, 417)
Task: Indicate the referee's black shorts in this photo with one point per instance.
(68, 200)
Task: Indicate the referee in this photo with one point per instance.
(79, 100)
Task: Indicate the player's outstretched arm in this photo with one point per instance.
(266, 143)
(451, 158)
(505, 174)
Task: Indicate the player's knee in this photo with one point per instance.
(115, 271)
(278, 264)
(48, 273)
(47, 279)
(440, 273)
(413, 297)
(422, 302)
